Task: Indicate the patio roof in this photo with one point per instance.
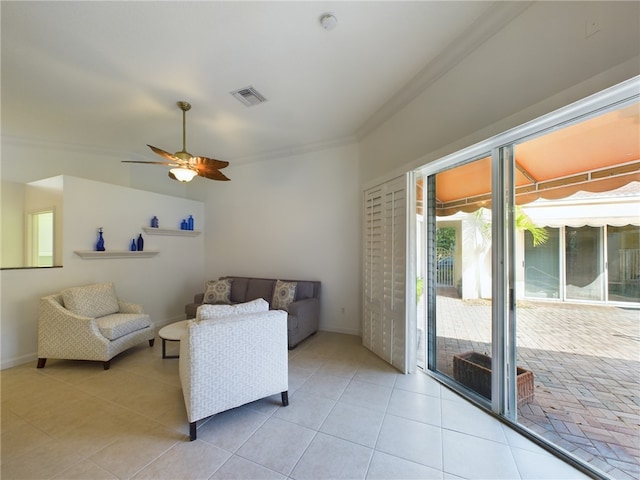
(598, 155)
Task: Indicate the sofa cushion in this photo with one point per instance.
(260, 288)
(218, 291)
(304, 290)
(210, 312)
(92, 301)
(283, 295)
(239, 290)
(120, 324)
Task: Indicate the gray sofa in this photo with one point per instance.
(303, 314)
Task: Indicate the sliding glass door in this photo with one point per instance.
(457, 263)
(584, 263)
(623, 261)
(529, 253)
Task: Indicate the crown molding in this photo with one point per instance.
(295, 150)
(482, 29)
(73, 147)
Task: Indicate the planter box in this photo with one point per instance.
(473, 370)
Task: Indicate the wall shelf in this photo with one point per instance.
(171, 231)
(92, 254)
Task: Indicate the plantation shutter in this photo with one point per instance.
(384, 326)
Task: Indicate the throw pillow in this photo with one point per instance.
(92, 301)
(217, 291)
(210, 312)
(283, 295)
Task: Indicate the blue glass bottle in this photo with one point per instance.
(140, 243)
(190, 223)
(133, 246)
(100, 244)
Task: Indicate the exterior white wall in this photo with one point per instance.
(297, 218)
(162, 284)
(476, 259)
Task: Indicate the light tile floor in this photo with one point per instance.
(585, 361)
(350, 416)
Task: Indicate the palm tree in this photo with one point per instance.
(524, 222)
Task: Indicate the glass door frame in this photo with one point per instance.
(504, 382)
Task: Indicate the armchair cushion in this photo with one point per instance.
(210, 312)
(118, 325)
(91, 301)
(218, 291)
(283, 295)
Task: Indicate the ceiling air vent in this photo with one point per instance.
(249, 96)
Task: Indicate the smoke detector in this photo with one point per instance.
(328, 21)
(249, 96)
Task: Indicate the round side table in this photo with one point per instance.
(172, 333)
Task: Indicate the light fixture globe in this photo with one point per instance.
(183, 174)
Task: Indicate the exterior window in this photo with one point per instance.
(584, 265)
(623, 263)
(542, 266)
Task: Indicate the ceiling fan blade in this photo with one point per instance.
(211, 162)
(162, 153)
(150, 163)
(212, 174)
(203, 166)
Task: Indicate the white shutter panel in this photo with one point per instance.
(384, 323)
(372, 268)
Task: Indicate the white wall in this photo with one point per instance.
(295, 218)
(162, 284)
(12, 228)
(539, 62)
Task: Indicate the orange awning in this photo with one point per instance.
(597, 155)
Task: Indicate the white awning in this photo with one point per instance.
(617, 208)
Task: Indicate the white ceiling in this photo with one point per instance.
(108, 74)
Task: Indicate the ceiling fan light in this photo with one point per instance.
(183, 174)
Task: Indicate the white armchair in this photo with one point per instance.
(230, 361)
(90, 323)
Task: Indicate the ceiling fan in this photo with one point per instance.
(187, 166)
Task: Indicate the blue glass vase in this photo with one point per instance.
(133, 246)
(100, 244)
(140, 243)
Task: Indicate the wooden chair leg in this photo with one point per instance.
(192, 431)
(106, 364)
(285, 398)
(151, 342)
(41, 362)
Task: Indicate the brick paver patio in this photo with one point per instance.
(586, 365)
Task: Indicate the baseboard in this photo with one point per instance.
(346, 331)
(168, 321)
(21, 360)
